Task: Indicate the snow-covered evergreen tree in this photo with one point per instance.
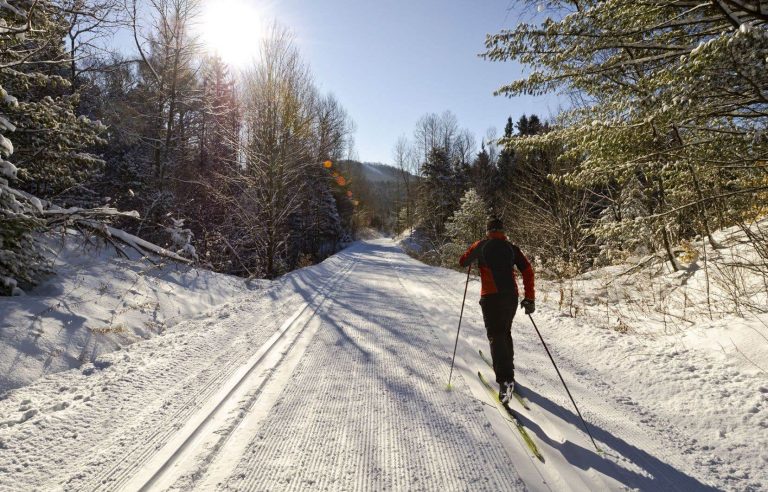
(436, 198)
(466, 225)
(48, 138)
(486, 178)
(506, 162)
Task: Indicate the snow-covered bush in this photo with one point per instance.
(182, 239)
(465, 226)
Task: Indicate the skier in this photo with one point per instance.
(497, 257)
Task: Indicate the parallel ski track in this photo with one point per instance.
(301, 320)
(114, 477)
(608, 418)
(376, 447)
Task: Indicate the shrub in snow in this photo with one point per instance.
(182, 239)
(465, 226)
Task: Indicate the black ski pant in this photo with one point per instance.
(498, 311)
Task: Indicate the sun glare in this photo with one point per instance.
(232, 28)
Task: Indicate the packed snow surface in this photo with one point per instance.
(334, 377)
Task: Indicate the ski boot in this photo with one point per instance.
(506, 389)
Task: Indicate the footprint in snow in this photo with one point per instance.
(58, 407)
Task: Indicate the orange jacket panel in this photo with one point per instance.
(496, 257)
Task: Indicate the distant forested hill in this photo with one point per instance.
(380, 190)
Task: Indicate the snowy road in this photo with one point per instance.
(333, 378)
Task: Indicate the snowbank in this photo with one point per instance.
(690, 346)
(97, 302)
(717, 301)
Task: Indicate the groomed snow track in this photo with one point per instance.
(339, 385)
(207, 409)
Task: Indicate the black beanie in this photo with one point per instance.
(494, 224)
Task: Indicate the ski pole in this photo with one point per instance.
(461, 315)
(586, 428)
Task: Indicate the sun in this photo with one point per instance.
(232, 29)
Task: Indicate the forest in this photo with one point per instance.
(662, 142)
(163, 141)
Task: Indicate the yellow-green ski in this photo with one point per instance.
(510, 416)
(517, 395)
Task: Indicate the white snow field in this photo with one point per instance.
(334, 378)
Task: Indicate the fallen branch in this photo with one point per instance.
(56, 216)
(639, 266)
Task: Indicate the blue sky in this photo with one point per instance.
(391, 61)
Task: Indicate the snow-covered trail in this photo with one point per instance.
(333, 378)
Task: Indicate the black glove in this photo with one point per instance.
(529, 305)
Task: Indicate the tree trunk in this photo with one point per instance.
(664, 231)
(668, 247)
